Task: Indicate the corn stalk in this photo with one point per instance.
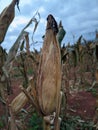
(45, 94)
(6, 17)
(13, 50)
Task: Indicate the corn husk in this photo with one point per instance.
(49, 78)
(6, 17)
(19, 101)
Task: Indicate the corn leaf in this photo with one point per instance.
(13, 51)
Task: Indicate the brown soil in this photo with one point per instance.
(82, 104)
(79, 104)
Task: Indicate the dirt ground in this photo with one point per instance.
(81, 104)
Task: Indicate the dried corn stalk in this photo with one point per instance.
(6, 17)
(11, 122)
(46, 94)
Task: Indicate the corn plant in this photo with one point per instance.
(45, 101)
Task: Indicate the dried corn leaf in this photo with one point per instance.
(36, 24)
(34, 95)
(13, 51)
(27, 44)
(11, 55)
(22, 45)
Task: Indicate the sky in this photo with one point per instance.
(79, 17)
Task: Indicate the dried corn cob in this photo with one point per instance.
(49, 77)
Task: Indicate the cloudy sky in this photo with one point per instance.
(78, 17)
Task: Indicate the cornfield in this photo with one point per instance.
(47, 77)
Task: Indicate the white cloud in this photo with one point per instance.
(25, 2)
(78, 16)
(46, 0)
(41, 9)
(3, 4)
(18, 21)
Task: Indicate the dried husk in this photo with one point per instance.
(19, 101)
(6, 17)
(49, 78)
